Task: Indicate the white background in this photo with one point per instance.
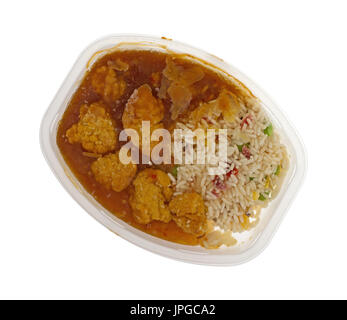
(51, 248)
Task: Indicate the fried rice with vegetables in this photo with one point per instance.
(256, 162)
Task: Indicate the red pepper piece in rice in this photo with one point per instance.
(234, 172)
(246, 121)
(219, 183)
(246, 151)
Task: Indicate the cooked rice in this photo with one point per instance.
(240, 200)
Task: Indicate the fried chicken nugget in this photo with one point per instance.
(112, 173)
(143, 106)
(108, 84)
(150, 195)
(189, 212)
(95, 130)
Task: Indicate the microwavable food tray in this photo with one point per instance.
(250, 243)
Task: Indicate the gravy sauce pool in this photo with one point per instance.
(142, 65)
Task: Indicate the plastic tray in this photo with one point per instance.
(252, 242)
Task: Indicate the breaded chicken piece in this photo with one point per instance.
(95, 130)
(107, 84)
(149, 197)
(143, 106)
(189, 212)
(180, 97)
(181, 79)
(226, 104)
(112, 173)
(185, 76)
